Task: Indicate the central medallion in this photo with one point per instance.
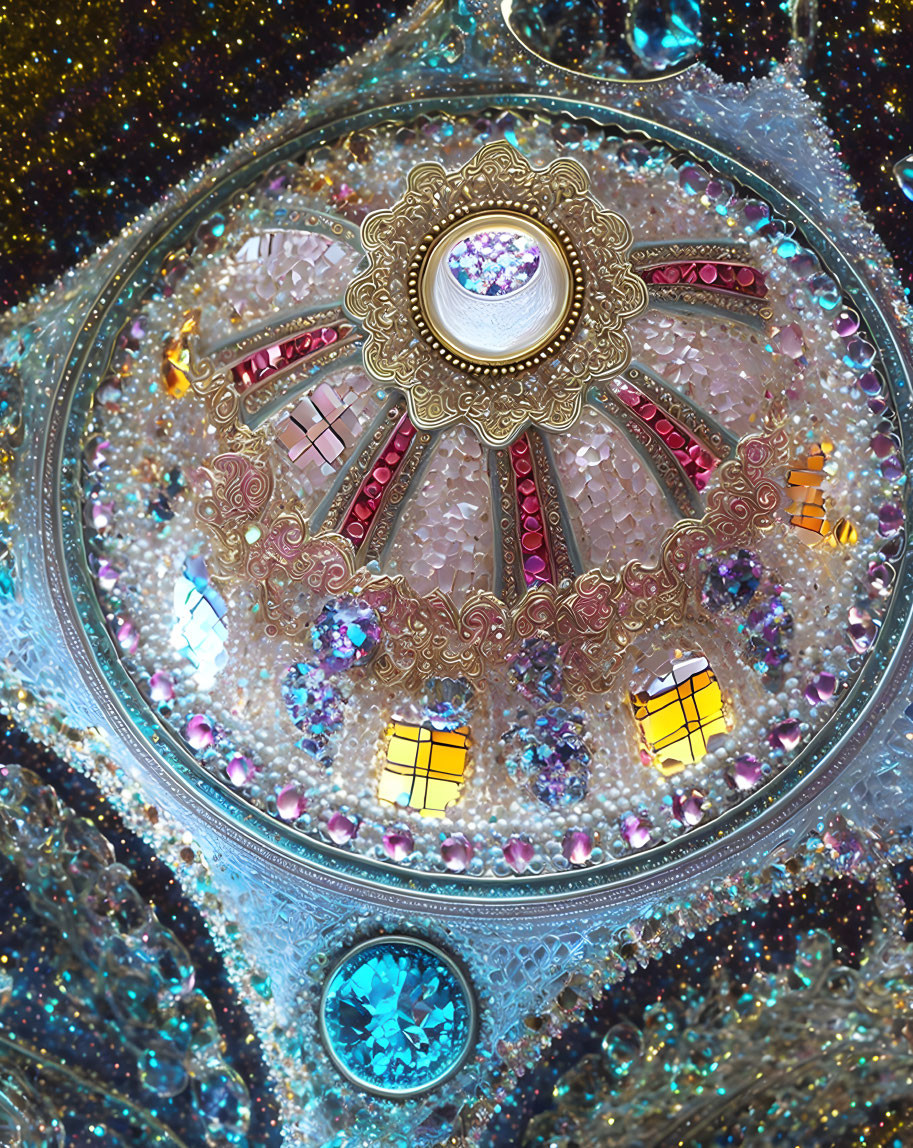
(518, 288)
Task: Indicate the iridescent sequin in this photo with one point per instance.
(731, 581)
(494, 262)
(552, 757)
(345, 634)
(315, 705)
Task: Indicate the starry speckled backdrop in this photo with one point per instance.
(105, 104)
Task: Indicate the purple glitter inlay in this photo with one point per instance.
(494, 262)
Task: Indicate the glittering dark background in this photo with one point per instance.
(105, 103)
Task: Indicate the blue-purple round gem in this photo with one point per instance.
(315, 705)
(552, 757)
(768, 628)
(494, 262)
(537, 670)
(345, 633)
(731, 580)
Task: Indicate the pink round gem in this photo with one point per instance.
(821, 689)
(688, 808)
(199, 732)
(290, 804)
(107, 575)
(846, 324)
(785, 735)
(127, 637)
(790, 342)
(881, 578)
(240, 770)
(890, 519)
(456, 853)
(161, 687)
(577, 846)
(746, 771)
(100, 515)
(862, 628)
(341, 829)
(635, 831)
(397, 844)
(518, 853)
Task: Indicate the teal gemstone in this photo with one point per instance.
(397, 1016)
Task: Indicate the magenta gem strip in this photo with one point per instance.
(732, 278)
(532, 527)
(361, 515)
(259, 367)
(695, 460)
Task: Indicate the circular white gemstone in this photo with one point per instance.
(496, 288)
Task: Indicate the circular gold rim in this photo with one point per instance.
(427, 256)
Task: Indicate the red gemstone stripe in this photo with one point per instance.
(532, 529)
(263, 364)
(696, 461)
(359, 518)
(737, 278)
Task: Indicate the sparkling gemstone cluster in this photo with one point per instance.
(819, 365)
(494, 263)
(548, 752)
(731, 581)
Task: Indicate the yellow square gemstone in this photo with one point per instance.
(678, 715)
(424, 767)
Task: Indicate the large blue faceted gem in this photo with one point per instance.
(397, 1016)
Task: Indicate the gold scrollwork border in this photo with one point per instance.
(442, 392)
(270, 544)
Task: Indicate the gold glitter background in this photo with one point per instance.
(105, 104)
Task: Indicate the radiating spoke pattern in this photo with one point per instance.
(258, 367)
(654, 453)
(273, 362)
(690, 418)
(534, 537)
(706, 275)
(366, 504)
(677, 442)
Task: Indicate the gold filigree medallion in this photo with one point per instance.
(499, 391)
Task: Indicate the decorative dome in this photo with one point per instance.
(468, 522)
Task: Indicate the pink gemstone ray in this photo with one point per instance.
(260, 366)
(732, 278)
